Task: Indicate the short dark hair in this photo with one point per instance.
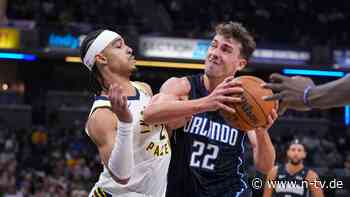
(239, 33)
(96, 80)
(296, 141)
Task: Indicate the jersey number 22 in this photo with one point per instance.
(205, 161)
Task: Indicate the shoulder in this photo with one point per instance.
(146, 88)
(100, 123)
(176, 85)
(311, 175)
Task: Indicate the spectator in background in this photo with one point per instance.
(3, 8)
(39, 137)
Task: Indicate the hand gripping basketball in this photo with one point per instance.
(252, 112)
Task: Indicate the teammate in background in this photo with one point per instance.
(293, 179)
(300, 93)
(207, 154)
(135, 155)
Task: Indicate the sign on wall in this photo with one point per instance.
(9, 38)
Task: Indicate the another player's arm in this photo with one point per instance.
(263, 151)
(291, 91)
(332, 94)
(271, 176)
(314, 184)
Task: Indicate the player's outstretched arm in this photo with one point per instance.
(314, 184)
(271, 176)
(300, 93)
(332, 94)
(263, 151)
(169, 104)
(111, 131)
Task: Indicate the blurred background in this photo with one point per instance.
(44, 101)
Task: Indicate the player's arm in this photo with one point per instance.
(319, 96)
(102, 126)
(170, 125)
(263, 151)
(271, 176)
(314, 184)
(291, 91)
(167, 106)
(111, 131)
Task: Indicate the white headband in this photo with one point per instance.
(97, 47)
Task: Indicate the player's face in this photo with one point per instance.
(223, 57)
(296, 153)
(119, 57)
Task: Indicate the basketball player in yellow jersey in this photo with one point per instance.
(135, 155)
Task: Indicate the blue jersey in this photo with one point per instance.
(207, 154)
(291, 185)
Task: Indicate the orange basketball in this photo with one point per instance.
(253, 111)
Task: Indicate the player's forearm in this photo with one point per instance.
(267, 192)
(316, 190)
(318, 193)
(333, 94)
(121, 160)
(264, 155)
(163, 112)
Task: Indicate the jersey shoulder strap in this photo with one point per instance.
(143, 87)
(100, 102)
(195, 82)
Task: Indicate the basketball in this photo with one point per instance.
(253, 111)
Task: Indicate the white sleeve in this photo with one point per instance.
(121, 161)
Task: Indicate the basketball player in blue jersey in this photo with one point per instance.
(293, 179)
(207, 153)
(135, 156)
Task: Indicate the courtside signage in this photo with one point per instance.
(196, 49)
(9, 38)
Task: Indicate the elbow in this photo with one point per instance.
(152, 115)
(263, 169)
(122, 181)
(265, 166)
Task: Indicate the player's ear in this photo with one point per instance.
(288, 153)
(242, 63)
(101, 59)
(304, 155)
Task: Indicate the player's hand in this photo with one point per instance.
(289, 90)
(271, 119)
(226, 93)
(119, 103)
